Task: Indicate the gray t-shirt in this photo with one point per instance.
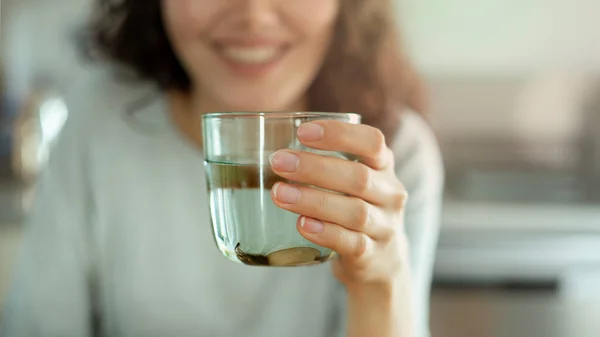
(119, 239)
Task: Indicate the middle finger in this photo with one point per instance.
(333, 174)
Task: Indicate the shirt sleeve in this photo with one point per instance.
(419, 167)
(49, 294)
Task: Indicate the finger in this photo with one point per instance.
(352, 213)
(346, 243)
(344, 176)
(366, 142)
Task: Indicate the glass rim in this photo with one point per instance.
(279, 114)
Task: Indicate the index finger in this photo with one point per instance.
(366, 142)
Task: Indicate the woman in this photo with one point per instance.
(120, 243)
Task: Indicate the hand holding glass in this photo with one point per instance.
(247, 225)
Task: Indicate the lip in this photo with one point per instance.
(250, 41)
(245, 69)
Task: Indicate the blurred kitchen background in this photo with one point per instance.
(515, 90)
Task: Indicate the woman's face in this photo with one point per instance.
(251, 54)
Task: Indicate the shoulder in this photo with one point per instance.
(102, 93)
(99, 102)
(419, 163)
(103, 114)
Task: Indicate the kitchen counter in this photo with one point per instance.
(497, 313)
(495, 242)
(461, 215)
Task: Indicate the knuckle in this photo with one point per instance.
(344, 130)
(363, 216)
(399, 198)
(320, 164)
(347, 134)
(361, 246)
(379, 142)
(390, 156)
(322, 201)
(389, 233)
(363, 179)
(340, 242)
(381, 154)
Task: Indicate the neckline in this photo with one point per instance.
(162, 108)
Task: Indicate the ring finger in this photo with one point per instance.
(345, 242)
(350, 212)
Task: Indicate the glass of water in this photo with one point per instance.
(248, 227)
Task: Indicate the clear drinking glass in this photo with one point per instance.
(247, 226)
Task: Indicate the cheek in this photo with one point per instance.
(186, 21)
(314, 21)
(175, 18)
(313, 18)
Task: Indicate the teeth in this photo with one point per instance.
(253, 55)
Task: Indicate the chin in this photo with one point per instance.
(253, 104)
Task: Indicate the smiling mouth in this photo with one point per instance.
(252, 55)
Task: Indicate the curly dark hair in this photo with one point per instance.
(365, 69)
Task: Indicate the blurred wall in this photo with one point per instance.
(506, 68)
(37, 39)
(497, 37)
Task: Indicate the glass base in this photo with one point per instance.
(290, 257)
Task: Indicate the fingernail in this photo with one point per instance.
(286, 193)
(311, 225)
(284, 161)
(310, 132)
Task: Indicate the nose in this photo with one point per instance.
(256, 15)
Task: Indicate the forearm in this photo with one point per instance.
(381, 311)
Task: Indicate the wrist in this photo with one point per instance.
(377, 293)
(384, 308)
(383, 288)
